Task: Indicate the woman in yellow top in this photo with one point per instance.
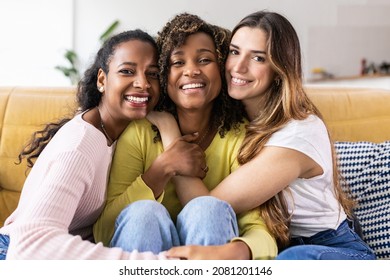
(142, 202)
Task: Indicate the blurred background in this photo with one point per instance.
(340, 39)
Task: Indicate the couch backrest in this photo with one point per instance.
(23, 111)
(354, 114)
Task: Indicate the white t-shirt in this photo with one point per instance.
(311, 202)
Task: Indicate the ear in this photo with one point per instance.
(277, 80)
(101, 79)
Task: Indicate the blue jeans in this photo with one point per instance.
(4, 243)
(145, 225)
(341, 244)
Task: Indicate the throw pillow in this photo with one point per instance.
(365, 167)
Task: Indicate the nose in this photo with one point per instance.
(191, 70)
(141, 82)
(239, 65)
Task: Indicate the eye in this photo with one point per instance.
(177, 63)
(127, 71)
(153, 74)
(259, 58)
(233, 52)
(205, 60)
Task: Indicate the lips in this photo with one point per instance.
(238, 81)
(136, 99)
(192, 86)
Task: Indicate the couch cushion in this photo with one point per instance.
(365, 167)
(23, 111)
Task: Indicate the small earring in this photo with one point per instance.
(277, 82)
(101, 89)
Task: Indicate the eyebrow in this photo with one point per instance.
(135, 64)
(179, 52)
(253, 51)
(128, 63)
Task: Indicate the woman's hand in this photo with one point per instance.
(237, 250)
(180, 158)
(185, 158)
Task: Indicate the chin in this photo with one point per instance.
(235, 95)
(138, 116)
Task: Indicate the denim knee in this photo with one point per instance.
(142, 209)
(205, 206)
(145, 225)
(207, 220)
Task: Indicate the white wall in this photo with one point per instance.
(334, 34)
(34, 35)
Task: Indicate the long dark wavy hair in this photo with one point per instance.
(285, 100)
(88, 96)
(227, 112)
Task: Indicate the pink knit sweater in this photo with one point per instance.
(62, 198)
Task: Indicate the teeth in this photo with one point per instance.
(136, 99)
(192, 86)
(238, 81)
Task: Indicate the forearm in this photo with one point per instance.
(168, 133)
(158, 175)
(188, 188)
(229, 251)
(237, 250)
(166, 124)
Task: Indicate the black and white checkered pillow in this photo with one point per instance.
(365, 167)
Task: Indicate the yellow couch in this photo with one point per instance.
(23, 111)
(351, 115)
(354, 114)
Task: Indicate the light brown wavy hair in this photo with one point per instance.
(227, 112)
(285, 100)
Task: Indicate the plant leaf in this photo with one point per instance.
(67, 71)
(71, 56)
(106, 34)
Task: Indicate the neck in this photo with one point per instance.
(104, 129)
(252, 107)
(200, 123)
(193, 122)
(203, 135)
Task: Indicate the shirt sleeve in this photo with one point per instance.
(308, 136)
(125, 183)
(254, 232)
(43, 232)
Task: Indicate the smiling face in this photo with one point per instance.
(131, 86)
(248, 71)
(194, 80)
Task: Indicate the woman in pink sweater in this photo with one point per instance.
(65, 190)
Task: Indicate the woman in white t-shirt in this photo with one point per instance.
(287, 162)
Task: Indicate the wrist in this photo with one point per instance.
(164, 165)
